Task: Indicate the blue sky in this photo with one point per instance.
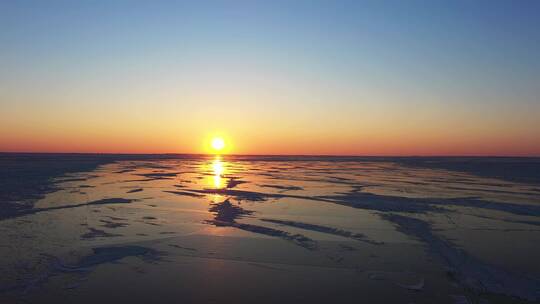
(394, 65)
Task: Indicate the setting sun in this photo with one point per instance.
(218, 144)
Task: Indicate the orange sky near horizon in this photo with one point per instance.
(382, 128)
(286, 140)
(286, 148)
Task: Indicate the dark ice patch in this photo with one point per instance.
(135, 190)
(103, 255)
(94, 233)
(239, 194)
(227, 212)
(181, 247)
(159, 175)
(325, 229)
(112, 225)
(226, 215)
(233, 182)
(104, 201)
(280, 187)
(185, 193)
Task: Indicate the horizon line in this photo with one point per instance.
(280, 155)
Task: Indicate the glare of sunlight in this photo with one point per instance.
(217, 167)
(218, 144)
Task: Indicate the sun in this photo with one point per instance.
(218, 143)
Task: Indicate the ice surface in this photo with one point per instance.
(400, 230)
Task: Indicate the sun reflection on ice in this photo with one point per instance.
(218, 170)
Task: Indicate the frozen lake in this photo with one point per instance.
(89, 229)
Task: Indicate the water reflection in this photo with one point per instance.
(218, 171)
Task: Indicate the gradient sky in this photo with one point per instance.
(271, 77)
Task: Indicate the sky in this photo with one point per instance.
(271, 77)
